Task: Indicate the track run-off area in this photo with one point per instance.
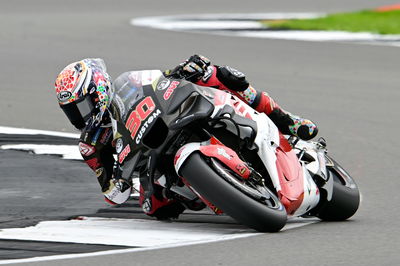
(250, 26)
(98, 232)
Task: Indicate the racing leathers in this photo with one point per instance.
(97, 146)
(97, 149)
(199, 70)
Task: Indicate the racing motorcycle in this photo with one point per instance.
(207, 148)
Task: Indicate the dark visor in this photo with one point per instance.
(79, 112)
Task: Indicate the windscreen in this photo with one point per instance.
(128, 88)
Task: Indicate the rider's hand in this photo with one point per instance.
(118, 192)
(119, 189)
(195, 67)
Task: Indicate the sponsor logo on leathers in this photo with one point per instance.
(163, 84)
(85, 149)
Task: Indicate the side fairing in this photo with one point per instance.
(136, 110)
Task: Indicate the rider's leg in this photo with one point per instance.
(286, 122)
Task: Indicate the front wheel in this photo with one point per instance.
(255, 207)
(345, 195)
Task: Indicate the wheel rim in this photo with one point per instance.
(259, 193)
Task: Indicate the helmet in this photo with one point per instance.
(84, 92)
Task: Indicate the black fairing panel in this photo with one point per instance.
(201, 108)
(247, 127)
(186, 104)
(197, 109)
(183, 92)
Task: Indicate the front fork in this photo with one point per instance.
(212, 148)
(320, 175)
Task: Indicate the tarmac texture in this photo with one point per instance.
(350, 90)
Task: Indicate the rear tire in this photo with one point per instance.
(240, 206)
(345, 195)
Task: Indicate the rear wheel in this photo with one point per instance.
(345, 195)
(252, 205)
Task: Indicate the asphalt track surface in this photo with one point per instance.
(350, 90)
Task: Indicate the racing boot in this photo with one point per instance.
(302, 128)
(286, 122)
(159, 206)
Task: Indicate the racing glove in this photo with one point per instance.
(192, 69)
(119, 189)
(118, 192)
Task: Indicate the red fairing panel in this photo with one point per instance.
(290, 177)
(228, 157)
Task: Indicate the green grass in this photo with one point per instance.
(364, 21)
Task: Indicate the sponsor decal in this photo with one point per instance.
(146, 124)
(124, 153)
(163, 84)
(142, 111)
(106, 136)
(93, 163)
(99, 171)
(222, 151)
(235, 72)
(113, 193)
(85, 149)
(119, 145)
(241, 168)
(64, 96)
(171, 89)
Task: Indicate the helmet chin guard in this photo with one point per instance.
(84, 92)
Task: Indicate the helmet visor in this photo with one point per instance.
(79, 112)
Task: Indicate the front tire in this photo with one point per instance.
(235, 203)
(345, 195)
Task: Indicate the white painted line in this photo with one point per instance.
(23, 131)
(144, 234)
(215, 21)
(70, 152)
(66, 151)
(317, 35)
(248, 25)
(124, 232)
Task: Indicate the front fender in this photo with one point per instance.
(215, 150)
(183, 153)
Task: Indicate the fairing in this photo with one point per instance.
(293, 183)
(153, 109)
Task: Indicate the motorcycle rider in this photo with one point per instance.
(85, 94)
